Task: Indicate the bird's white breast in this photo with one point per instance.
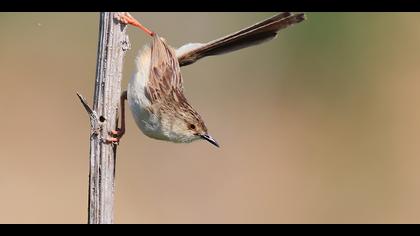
(138, 102)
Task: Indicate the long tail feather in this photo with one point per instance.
(250, 36)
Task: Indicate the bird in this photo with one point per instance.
(155, 92)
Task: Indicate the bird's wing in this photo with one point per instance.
(165, 75)
(250, 36)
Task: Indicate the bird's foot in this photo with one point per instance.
(116, 136)
(126, 18)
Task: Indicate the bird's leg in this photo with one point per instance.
(119, 132)
(126, 18)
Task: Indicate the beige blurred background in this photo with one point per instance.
(320, 125)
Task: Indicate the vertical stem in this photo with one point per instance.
(113, 43)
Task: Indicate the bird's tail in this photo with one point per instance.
(250, 36)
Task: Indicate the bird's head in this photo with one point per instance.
(185, 126)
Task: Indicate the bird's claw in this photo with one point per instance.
(112, 140)
(126, 18)
(117, 133)
(116, 136)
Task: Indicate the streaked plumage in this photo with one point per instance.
(155, 92)
(156, 96)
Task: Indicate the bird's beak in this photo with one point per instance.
(210, 139)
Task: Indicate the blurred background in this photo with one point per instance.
(320, 125)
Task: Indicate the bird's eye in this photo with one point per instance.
(191, 126)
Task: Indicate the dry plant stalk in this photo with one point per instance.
(113, 44)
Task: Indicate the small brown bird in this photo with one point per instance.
(155, 92)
